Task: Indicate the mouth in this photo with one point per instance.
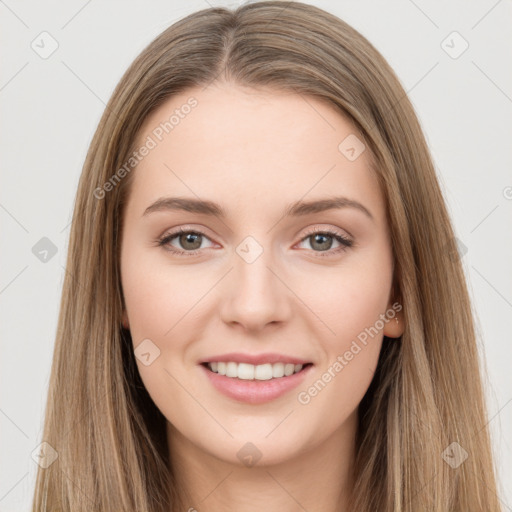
(255, 384)
(251, 372)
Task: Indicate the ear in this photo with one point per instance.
(124, 321)
(395, 325)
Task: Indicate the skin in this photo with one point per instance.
(254, 152)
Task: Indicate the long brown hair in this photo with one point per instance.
(426, 393)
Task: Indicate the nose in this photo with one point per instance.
(255, 294)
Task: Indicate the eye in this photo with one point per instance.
(190, 241)
(322, 240)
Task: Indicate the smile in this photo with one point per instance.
(255, 384)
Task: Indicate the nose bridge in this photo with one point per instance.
(256, 295)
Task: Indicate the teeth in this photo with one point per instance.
(247, 371)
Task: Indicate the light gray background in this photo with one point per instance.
(50, 109)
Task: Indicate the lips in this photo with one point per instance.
(255, 359)
(255, 391)
(286, 373)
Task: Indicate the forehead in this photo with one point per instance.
(242, 145)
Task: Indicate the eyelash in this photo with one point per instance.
(345, 242)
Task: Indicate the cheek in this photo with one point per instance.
(348, 300)
(157, 296)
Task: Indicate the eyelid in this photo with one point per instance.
(327, 229)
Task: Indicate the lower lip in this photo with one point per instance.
(255, 391)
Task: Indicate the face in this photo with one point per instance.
(249, 267)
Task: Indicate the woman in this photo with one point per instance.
(313, 348)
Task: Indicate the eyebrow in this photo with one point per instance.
(296, 209)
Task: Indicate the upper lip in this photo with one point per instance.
(255, 359)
